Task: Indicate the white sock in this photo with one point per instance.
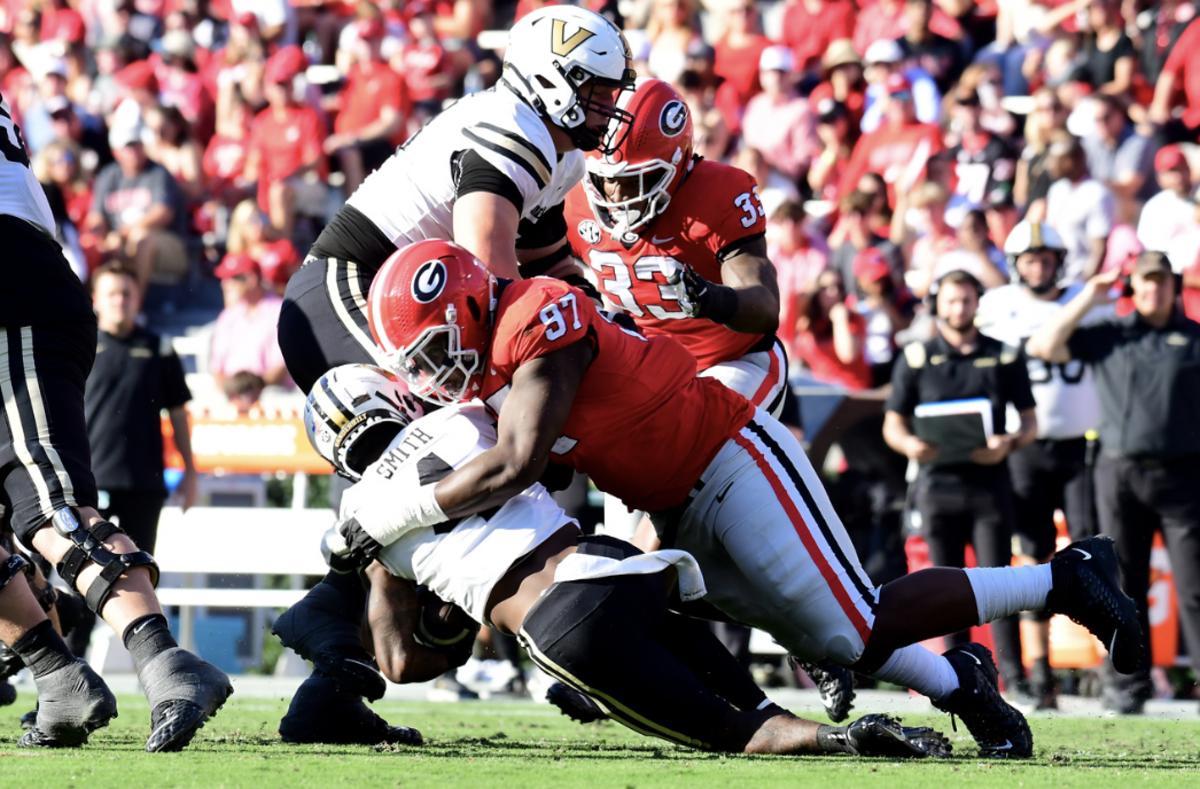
(916, 667)
(1004, 591)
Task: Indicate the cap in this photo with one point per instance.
(1151, 262)
(776, 58)
(138, 75)
(178, 43)
(885, 50)
(897, 84)
(57, 104)
(126, 133)
(54, 66)
(1169, 157)
(285, 64)
(371, 29)
(235, 264)
(698, 50)
(840, 52)
(871, 266)
(830, 110)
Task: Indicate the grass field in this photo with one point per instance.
(524, 745)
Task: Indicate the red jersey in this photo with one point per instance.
(285, 145)
(892, 153)
(642, 426)
(716, 205)
(369, 88)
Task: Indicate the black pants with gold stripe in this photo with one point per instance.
(655, 671)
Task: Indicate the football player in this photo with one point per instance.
(724, 481)
(678, 243)
(491, 172)
(585, 608)
(48, 494)
(1053, 472)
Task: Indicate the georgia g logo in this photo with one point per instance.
(429, 281)
(673, 117)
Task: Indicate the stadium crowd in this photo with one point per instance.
(205, 143)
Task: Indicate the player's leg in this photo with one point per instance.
(42, 375)
(759, 376)
(72, 700)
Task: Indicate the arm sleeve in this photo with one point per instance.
(1182, 50)
(1092, 343)
(903, 399)
(476, 174)
(175, 390)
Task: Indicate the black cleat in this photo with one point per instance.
(184, 692)
(323, 712)
(577, 706)
(29, 719)
(882, 735)
(999, 729)
(835, 684)
(72, 703)
(8, 694)
(1086, 589)
(322, 631)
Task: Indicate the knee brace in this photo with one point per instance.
(87, 545)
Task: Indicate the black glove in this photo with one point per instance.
(361, 548)
(700, 298)
(882, 735)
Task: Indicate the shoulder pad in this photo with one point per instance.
(914, 354)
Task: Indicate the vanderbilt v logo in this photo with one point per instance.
(561, 45)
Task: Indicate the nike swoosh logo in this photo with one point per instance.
(1086, 556)
(657, 240)
(140, 628)
(977, 660)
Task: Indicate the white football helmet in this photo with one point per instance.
(567, 61)
(353, 412)
(1030, 237)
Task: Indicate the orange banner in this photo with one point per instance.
(262, 444)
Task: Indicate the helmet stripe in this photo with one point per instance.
(1035, 238)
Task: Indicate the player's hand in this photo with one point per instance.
(361, 548)
(187, 490)
(920, 451)
(882, 735)
(997, 449)
(689, 288)
(1101, 285)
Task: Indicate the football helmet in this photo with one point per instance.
(353, 412)
(566, 62)
(430, 309)
(648, 163)
(1031, 237)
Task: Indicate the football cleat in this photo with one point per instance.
(1086, 589)
(323, 712)
(318, 629)
(999, 729)
(882, 735)
(184, 692)
(8, 694)
(835, 684)
(72, 703)
(577, 706)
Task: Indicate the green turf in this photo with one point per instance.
(522, 745)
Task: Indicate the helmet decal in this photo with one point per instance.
(673, 117)
(559, 43)
(589, 231)
(429, 281)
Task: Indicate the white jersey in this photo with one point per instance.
(459, 561)
(411, 196)
(20, 193)
(1065, 394)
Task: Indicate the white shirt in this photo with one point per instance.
(1165, 217)
(1067, 405)
(20, 193)
(411, 196)
(1080, 212)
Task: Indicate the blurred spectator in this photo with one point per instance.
(1108, 54)
(856, 231)
(888, 19)
(285, 156)
(835, 135)
(180, 84)
(244, 336)
(170, 143)
(424, 60)
(933, 236)
(899, 149)
(810, 27)
(671, 29)
(778, 123)
(239, 64)
(138, 210)
(739, 50)
(1118, 156)
(1180, 74)
(712, 133)
(37, 126)
(49, 164)
(883, 62)
(885, 310)
(250, 233)
(370, 123)
(1048, 119)
(985, 81)
(984, 164)
(1171, 213)
(87, 132)
(276, 19)
(798, 259)
(773, 188)
(1155, 31)
(936, 54)
(975, 253)
(829, 336)
(842, 71)
(1080, 208)
(244, 389)
(58, 164)
(136, 376)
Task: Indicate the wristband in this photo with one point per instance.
(417, 510)
(718, 303)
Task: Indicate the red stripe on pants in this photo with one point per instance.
(768, 383)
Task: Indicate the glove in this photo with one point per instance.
(882, 735)
(699, 298)
(360, 548)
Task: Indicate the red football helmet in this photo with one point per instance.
(632, 185)
(430, 309)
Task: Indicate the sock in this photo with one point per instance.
(43, 650)
(1004, 591)
(916, 667)
(147, 637)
